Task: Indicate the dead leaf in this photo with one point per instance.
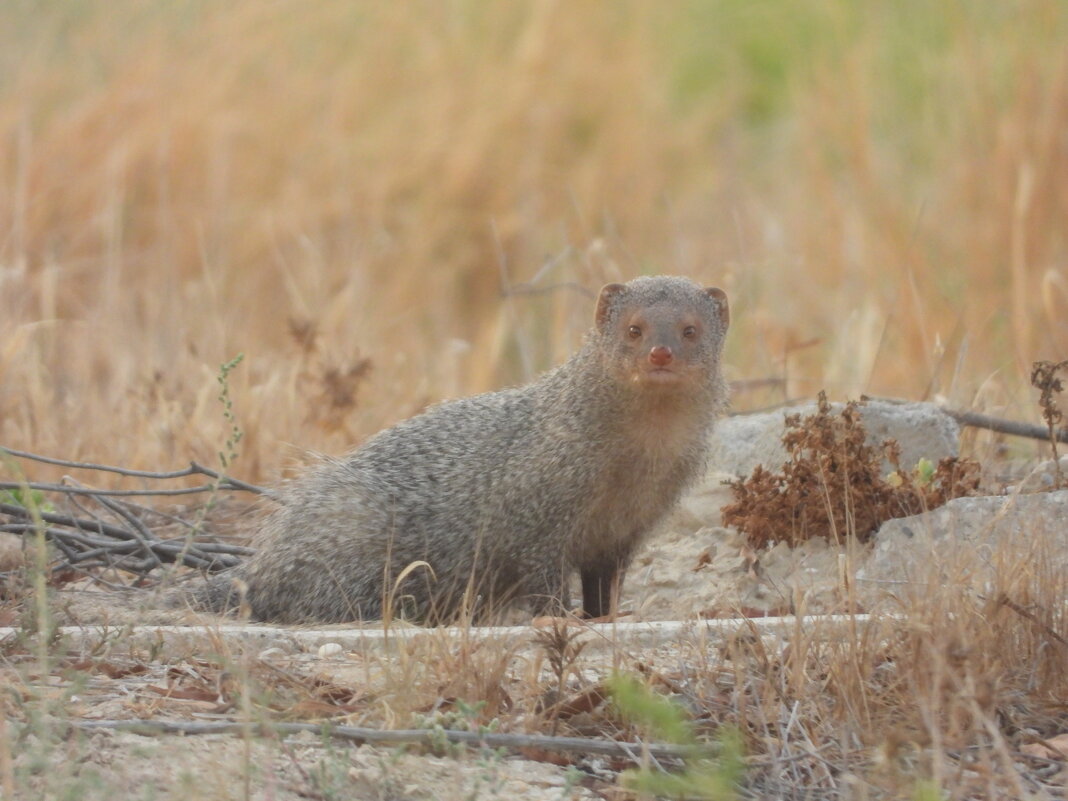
(112, 671)
(185, 693)
(309, 708)
(1049, 748)
(535, 754)
(336, 693)
(584, 702)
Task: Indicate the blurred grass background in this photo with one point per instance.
(383, 204)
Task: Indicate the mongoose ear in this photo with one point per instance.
(604, 303)
(720, 297)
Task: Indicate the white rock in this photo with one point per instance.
(923, 430)
(974, 539)
(1044, 477)
(328, 649)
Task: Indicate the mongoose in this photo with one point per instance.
(499, 498)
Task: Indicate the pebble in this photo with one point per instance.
(328, 649)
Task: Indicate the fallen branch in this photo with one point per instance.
(82, 524)
(124, 539)
(966, 417)
(428, 737)
(79, 546)
(1003, 426)
(138, 530)
(68, 489)
(221, 482)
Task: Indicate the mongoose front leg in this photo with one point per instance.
(600, 587)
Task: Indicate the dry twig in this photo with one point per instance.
(426, 737)
(125, 541)
(219, 481)
(967, 417)
(1044, 379)
(115, 545)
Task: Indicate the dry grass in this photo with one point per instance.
(341, 192)
(355, 195)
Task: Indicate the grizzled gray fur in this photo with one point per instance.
(499, 498)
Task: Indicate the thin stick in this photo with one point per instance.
(76, 536)
(122, 542)
(418, 736)
(1004, 600)
(1013, 427)
(162, 551)
(215, 547)
(226, 482)
(967, 417)
(69, 490)
(138, 529)
(132, 536)
(66, 520)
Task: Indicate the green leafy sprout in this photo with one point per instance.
(703, 777)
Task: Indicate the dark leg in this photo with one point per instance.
(600, 587)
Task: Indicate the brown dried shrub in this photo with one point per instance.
(833, 483)
(1044, 379)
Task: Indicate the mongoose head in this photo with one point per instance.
(663, 332)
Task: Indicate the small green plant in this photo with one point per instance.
(25, 498)
(463, 718)
(925, 471)
(489, 779)
(927, 790)
(571, 779)
(48, 766)
(701, 777)
(229, 455)
(329, 777)
(921, 476)
(390, 780)
(33, 501)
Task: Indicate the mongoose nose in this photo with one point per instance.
(661, 356)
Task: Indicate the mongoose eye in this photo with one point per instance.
(689, 332)
(634, 332)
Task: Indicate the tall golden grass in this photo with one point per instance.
(882, 189)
